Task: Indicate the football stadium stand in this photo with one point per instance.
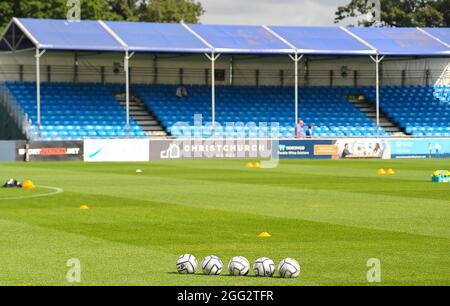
(327, 108)
(77, 111)
(80, 110)
(419, 110)
(74, 111)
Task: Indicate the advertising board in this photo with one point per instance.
(116, 150)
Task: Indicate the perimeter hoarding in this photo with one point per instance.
(421, 148)
(49, 150)
(218, 148)
(142, 150)
(116, 150)
(307, 149)
(7, 151)
(364, 148)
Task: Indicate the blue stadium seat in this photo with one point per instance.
(74, 111)
(325, 107)
(420, 110)
(77, 111)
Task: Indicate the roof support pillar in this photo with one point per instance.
(38, 56)
(377, 59)
(231, 70)
(213, 58)
(128, 56)
(296, 58)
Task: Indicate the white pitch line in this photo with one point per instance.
(55, 191)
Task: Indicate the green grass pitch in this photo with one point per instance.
(332, 216)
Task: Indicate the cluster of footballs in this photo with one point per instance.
(239, 266)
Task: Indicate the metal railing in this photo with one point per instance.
(14, 110)
(239, 76)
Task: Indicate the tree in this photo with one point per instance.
(127, 10)
(172, 11)
(399, 13)
(55, 9)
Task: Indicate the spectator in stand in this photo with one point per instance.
(299, 133)
(309, 131)
(182, 92)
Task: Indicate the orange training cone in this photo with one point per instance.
(28, 185)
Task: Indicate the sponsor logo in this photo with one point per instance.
(404, 144)
(50, 151)
(174, 152)
(93, 155)
(326, 150)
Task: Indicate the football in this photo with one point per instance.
(187, 264)
(239, 266)
(212, 265)
(289, 268)
(264, 267)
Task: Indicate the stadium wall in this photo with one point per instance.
(314, 70)
(139, 150)
(8, 128)
(7, 151)
(49, 151)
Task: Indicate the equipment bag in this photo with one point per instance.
(12, 184)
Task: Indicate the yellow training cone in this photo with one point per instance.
(84, 207)
(250, 165)
(391, 172)
(28, 185)
(264, 235)
(257, 165)
(381, 171)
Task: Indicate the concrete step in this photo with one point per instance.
(124, 104)
(362, 105)
(389, 125)
(143, 116)
(368, 109)
(138, 107)
(399, 134)
(158, 135)
(141, 113)
(148, 122)
(153, 128)
(392, 129)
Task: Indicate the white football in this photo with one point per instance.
(187, 264)
(264, 267)
(289, 268)
(239, 266)
(212, 265)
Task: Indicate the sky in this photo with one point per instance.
(271, 12)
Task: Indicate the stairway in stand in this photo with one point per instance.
(369, 109)
(143, 116)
